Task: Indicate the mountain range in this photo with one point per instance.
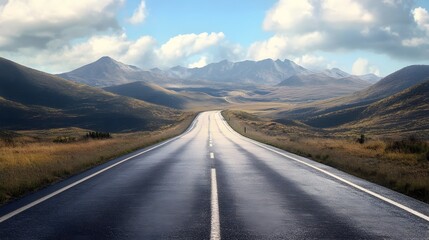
(31, 99)
(107, 72)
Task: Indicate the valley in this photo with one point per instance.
(317, 114)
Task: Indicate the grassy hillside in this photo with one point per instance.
(401, 164)
(406, 112)
(396, 104)
(393, 83)
(32, 99)
(158, 95)
(150, 93)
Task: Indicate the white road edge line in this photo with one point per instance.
(388, 200)
(215, 224)
(34, 203)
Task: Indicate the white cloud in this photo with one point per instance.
(414, 42)
(185, 45)
(274, 48)
(286, 14)
(280, 45)
(361, 67)
(421, 17)
(388, 30)
(139, 14)
(340, 11)
(48, 23)
(385, 27)
(140, 52)
(200, 63)
(313, 62)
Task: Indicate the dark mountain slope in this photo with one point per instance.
(407, 110)
(320, 79)
(41, 100)
(392, 84)
(150, 93)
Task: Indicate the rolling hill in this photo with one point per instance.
(319, 79)
(392, 84)
(399, 102)
(407, 110)
(150, 93)
(31, 99)
(158, 95)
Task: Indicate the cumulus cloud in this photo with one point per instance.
(185, 45)
(50, 23)
(421, 17)
(139, 14)
(313, 62)
(274, 48)
(362, 66)
(281, 45)
(200, 63)
(286, 14)
(392, 27)
(340, 11)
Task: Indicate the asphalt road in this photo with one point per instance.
(213, 183)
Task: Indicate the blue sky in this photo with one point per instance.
(241, 21)
(358, 36)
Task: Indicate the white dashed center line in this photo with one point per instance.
(215, 224)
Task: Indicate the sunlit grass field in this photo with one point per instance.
(33, 159)
(401, 164)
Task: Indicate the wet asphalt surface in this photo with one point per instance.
(165, 194)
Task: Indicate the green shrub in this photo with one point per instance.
(98, 135)
(361, 140)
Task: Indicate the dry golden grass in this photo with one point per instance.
(404, 172)
(32, 160)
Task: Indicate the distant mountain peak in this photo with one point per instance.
(266, 71)
(106, 71)
(106, 59)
